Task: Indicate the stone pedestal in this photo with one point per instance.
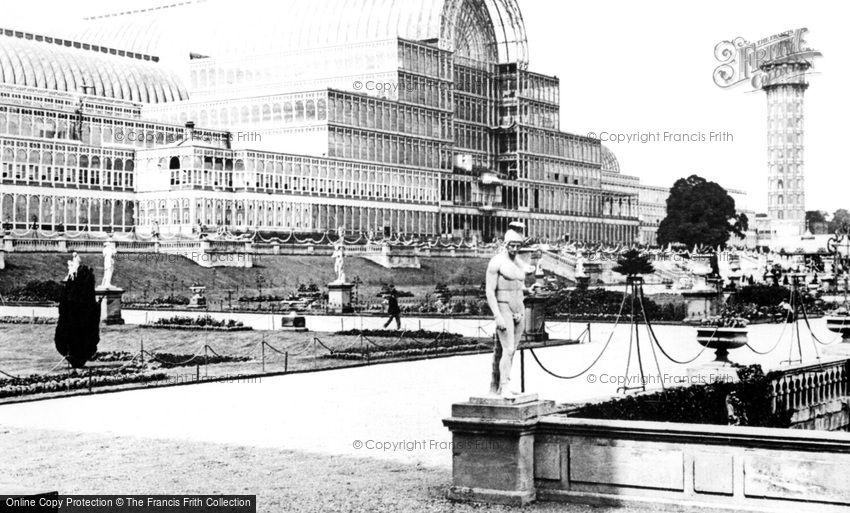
(293, 322)
(198, 300)
(701, 303)
(535, 318)
(110, 304)
(493, 456)
(339, 297)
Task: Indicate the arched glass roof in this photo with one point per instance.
(47, 65)
(609, 161)
(223, 27)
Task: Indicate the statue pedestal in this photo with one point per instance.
(701, 303)
(110, 304)
(293, 322)
(339, 297)
(535, 318)
(493, 455)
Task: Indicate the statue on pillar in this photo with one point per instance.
(339, 263)
(504, 289)
(109, 251)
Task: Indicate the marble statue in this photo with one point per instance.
(505, 283)
(73, 266)
(109, 251)
(579, 263)
(339, 263)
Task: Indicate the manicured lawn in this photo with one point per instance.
(282, 274)
(28, 349)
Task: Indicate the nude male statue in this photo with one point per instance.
(504, 289)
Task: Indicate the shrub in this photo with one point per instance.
(749, 400)
(37, 291)
(78, 328)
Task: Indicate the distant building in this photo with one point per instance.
(374, 116)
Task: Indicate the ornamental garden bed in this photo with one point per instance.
(169, 360)
(28, 320)
(398, 344)
(204, 323)
(76, 380)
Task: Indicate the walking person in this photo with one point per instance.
(393, 310)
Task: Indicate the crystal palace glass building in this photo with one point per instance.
(404, 116)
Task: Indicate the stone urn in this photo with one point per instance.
(721, 340)
(839, 324)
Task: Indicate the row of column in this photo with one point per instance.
(49, 211)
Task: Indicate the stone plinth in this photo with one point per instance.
(339, 297)
(293, 322)
(535, 318)
(110, 304)
(701, 303)
(493, 456)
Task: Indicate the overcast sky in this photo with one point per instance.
(631, 67)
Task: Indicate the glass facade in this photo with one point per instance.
(448, 133)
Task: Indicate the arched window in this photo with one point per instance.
(174, 163)
(311, 110)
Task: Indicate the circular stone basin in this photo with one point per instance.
(839, 324)
(722, 340)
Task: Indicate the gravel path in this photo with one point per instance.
(284, 481)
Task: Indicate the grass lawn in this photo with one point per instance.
(29, 349)
(284, 481)
(135, 272)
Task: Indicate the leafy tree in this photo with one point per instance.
(633, 263)
(840, 218)
(816, 221)
(78, 327)
(700, 212)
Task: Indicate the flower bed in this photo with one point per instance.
(27, 320)
(418, 334)
(68, 381)
(169, 360)
(377, 353)
(412, 343)
(205, 322)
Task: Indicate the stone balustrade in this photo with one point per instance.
(534, 450)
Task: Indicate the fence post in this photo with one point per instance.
(206, 361)
(263, 346)
(286, 361)
(142, 349)
(588, 334)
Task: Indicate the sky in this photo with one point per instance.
(645, 68)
